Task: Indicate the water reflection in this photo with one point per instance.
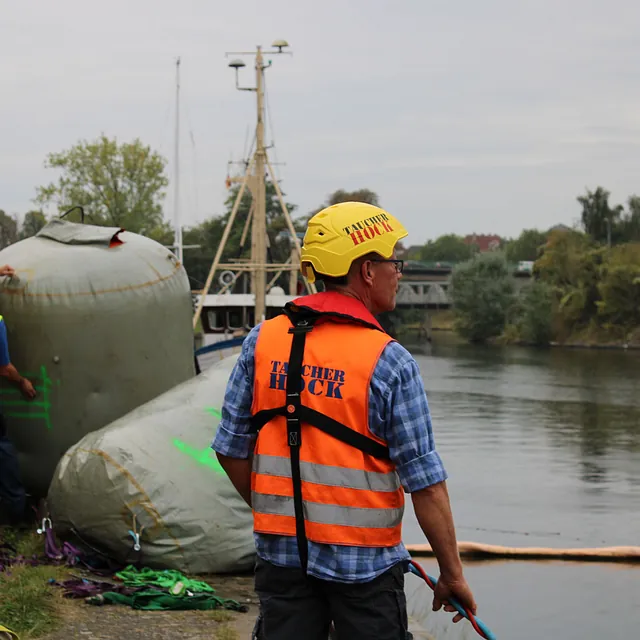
(529, 601)
(542, 448)
(602, 436)
(587, 401)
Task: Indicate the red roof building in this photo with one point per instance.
(483, 242)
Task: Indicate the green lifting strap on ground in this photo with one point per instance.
(154, 600)
(167, 590)
(167, 579)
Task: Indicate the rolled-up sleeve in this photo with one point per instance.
(234, 437)
(401, 416)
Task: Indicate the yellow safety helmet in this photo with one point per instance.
(344, 232)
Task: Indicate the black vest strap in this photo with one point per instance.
(294, 431)
(330, 426)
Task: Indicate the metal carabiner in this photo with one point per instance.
(43, 526)
(136, 540)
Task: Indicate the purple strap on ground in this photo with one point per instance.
(68, 553)
(83, 588)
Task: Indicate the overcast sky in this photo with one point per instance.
(463, 115)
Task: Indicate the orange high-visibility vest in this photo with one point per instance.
(350, 493)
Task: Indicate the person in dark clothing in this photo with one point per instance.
(12, 492)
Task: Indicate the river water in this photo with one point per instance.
(542, 448)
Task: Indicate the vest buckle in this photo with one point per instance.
(303, 326)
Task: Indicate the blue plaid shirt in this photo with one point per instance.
(398, 413)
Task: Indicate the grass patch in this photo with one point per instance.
(32, 607)
(220, 615)
(29, 604)
(26, 543)
(225, 632)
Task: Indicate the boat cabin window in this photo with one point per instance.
(235, 319)
(272, 312)
(216, 319)
(250, 317)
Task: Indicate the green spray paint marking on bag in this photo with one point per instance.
(206, 456)
(42, 384)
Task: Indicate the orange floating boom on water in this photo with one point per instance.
(490, 551)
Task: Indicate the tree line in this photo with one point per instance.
(585, 286)
(12, 230)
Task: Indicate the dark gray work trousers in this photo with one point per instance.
(294, 606)
(12, 493)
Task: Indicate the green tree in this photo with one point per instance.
(561, 263)
(630, 222)
(209, 235)
(526, 247)
(119, 185)
(164, 234)
(32, 223)
(536, 308)
(8, 230)
(447, 248)
(197, 262)
(571, 264)
(619, 287)
(482, 292)
(598, 215)
(359, 195)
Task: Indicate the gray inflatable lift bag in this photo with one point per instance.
(99, 320)
(151, 478)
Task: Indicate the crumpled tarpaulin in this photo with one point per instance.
(151, 591)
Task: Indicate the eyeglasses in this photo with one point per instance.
(398, 263)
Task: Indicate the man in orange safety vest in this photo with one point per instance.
(325, 426)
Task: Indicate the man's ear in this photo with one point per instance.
(366, 271)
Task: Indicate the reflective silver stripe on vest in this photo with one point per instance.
(328, 475)
(328, 513)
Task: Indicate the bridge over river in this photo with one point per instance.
(427, 285)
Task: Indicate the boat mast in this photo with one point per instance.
(177, 225)
(259, 223)
(254, 180)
